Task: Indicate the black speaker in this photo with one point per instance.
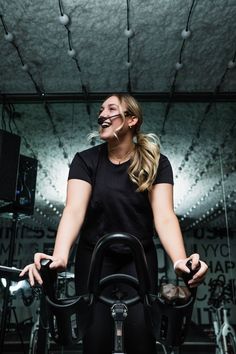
(9, 161)
(25, 191)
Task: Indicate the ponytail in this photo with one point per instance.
(145, 160)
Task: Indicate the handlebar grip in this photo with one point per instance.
(49, 277)
(45, 262)
(187, 276)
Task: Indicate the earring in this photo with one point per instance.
(130, 126)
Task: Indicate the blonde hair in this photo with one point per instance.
(145, 159)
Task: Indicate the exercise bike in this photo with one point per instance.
(167, 317)
(220, 295)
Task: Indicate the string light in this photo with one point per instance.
(226, 201)
(43, 220)
(202, 200)
(212, 213)
(72, 53)
(25, 67)
(198, 176)
(231, 64)
(65, 20)
(213, 155)
(129, 33)
(128, 64)
(51, 207)
(185, 34)
(195, 139)
(178, 66)
(9, 37)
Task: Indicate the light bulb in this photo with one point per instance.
(185, 34)
(64, 19)
(128, 33)
(178, 66)
(9, 37)
(25, 67)
(231, 64)
(128, 64)
(72, 53)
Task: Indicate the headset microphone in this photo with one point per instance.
(105, 122)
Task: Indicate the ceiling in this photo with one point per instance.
(186, 86)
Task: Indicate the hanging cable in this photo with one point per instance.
(195, 139)
(10, 38)
(128, 33)
(65, 21)
(55, 132)
(226, 223)
(178, 66)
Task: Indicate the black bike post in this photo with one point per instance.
(43, 330)
(119, 312)
(6, 296)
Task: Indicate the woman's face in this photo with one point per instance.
(112, 108)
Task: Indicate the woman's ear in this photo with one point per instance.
(132, 121)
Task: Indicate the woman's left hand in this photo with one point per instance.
(181, 267)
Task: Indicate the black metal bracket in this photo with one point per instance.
(119, 312)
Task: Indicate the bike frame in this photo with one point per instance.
(224, 332)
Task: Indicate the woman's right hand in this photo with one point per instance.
(33, 269)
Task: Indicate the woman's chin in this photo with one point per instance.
(106, 135)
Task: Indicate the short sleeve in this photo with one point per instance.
(164, 171)
(79, 169)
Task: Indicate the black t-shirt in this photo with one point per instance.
(115, 205)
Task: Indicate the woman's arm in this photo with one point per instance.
(168, 229)
(166, 222)
(78, 196)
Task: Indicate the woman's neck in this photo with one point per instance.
(120, 152)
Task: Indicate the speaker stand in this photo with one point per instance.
(6, 297)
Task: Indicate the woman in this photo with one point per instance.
(123, 185)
